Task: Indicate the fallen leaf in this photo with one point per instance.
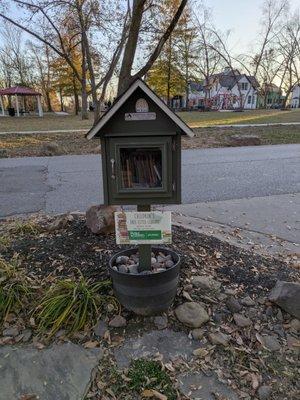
(255, 381)
(200, 352)
(109, 391)
(186, 296)
(170, 367)
(154, 393)
(91, 344)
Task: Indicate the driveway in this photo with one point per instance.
(254, 188)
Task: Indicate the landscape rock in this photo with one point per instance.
(196, 386)
(11, 332)
(233, 305)
(51, 149)
(248, 302)
(100, 328)
(271, 343)
(264, 392)
(219, 338)
(133, 269)
(59, 372)
(287, 296)
(295, 325)
(169, 264)
(27, 334)
(60, 222)
(169, 344)
(161, 321)
(205, 283)
(122, 259)
(198, 333)
(293, 343)
(241, 320)
(118, 322)
(123, 268)
(100, 219)
(269, 311)
(191, 314)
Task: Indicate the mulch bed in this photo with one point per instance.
(62, 251)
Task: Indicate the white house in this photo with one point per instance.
(295, 100)
(232, 90)
(227, 90)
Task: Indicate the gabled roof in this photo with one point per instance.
(196, 86)
(229, 80)
(123, 97)
(19, 90)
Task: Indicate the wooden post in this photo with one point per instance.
(17, 106)
(40, 106)
(144, 249)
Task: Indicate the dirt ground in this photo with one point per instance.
(43, 144)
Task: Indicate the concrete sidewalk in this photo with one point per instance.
(268, 225)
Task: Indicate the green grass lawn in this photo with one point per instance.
(49, 122)
(195, 119)
(205, 119)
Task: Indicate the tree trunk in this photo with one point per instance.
(76, 99)
(48, 101)
(84, 102)
(61, 100)
(131, 44)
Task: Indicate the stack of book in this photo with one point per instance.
(141, 169)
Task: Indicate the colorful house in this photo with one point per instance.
(269, 96)
(228, 90)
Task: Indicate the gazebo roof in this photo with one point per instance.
(19, 90)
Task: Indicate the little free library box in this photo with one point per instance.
(141, 159)
(141, 149)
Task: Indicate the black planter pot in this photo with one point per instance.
(146, 294)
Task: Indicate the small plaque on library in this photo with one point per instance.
(140, 116)
(152, 227)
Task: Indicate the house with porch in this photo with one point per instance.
(295, 98)
(227, 90)
(231, 90)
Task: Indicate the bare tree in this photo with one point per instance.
(42, 59)
(139, 9)
(15, 55)
(209, 60)
(289, 52)
(83, 16)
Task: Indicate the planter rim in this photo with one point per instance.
(172, 252)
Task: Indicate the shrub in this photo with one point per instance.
(25, 228)
(15, 289)
(72, 304)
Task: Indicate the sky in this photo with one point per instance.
(242, 17)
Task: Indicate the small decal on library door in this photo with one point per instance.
(152, 227)
(140, 116)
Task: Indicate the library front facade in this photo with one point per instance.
(140, 149)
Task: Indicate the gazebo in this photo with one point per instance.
(20, 91)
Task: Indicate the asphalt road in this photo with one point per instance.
(68, 183)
